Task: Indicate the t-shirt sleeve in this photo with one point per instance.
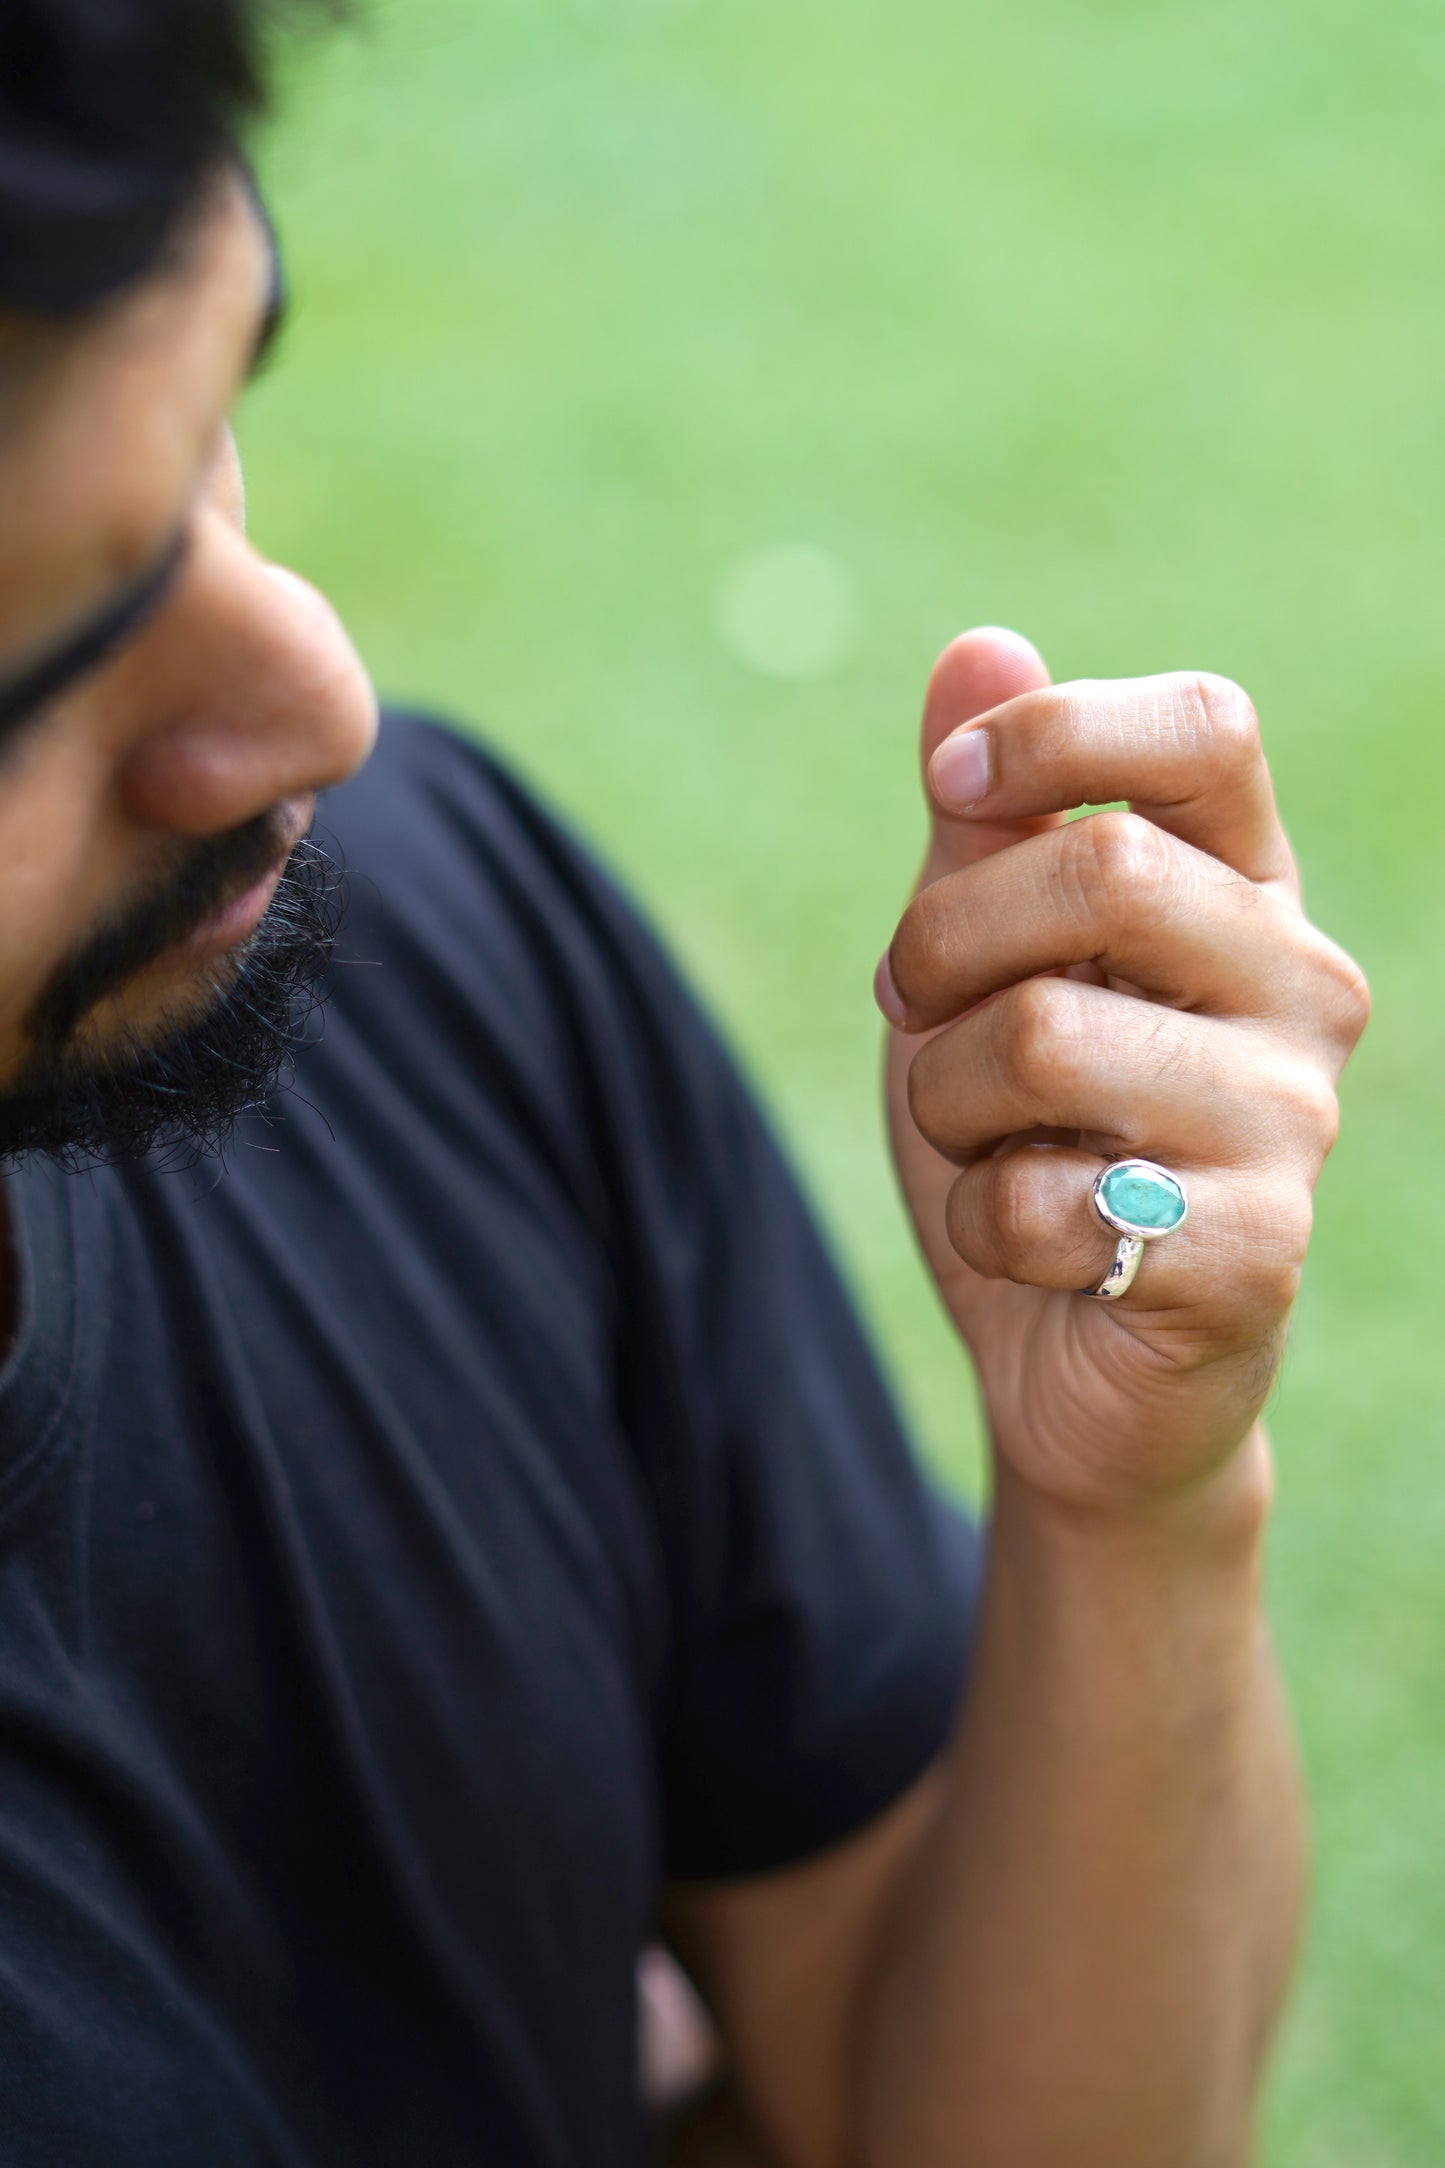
(820, 1590)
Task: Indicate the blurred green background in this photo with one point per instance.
(669, 382)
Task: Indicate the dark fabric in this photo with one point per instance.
(418, 1538)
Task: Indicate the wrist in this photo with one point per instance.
(1157, 1605)
(1217, 1522)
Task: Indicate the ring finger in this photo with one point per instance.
(1027, 1215)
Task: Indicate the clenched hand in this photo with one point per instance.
(1140, 983)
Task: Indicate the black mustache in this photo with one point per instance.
(221, 867)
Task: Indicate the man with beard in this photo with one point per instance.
(460, 1529)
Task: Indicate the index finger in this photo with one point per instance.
(1183, 750)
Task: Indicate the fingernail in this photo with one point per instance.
(959, 770)
(886, 994)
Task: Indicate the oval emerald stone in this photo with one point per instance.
(1143, 1196)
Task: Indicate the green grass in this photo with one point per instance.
(1121, 323)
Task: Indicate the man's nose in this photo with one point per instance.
(247, 691)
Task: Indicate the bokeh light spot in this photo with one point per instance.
(788, 611)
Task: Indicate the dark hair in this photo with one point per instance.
(113, 113)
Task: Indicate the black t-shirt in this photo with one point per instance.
(469, 1506)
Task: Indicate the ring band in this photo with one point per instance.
(1119, 1278)
(1141, 1201)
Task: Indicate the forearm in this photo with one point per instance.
(1066, 1946)
(1087, 1957)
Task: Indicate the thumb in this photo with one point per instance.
(979, 671)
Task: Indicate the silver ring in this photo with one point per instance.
(1142, 1202)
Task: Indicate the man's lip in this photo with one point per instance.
(231, 922)
(235, 919)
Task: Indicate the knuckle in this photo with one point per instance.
(918, 955)
(1024, 1221)
(1296, 1229)
(1352, 998)
(1227, 723)
(908, 950)
(1119, 864)
(1274, 1287)
(1316, 1111)
(971, 1226)
(923, 1091)
(932, 1095)
(1003, 1218)
(1275, 1281)
(1332, 984)
(963, 1226)
(1043, 1049)
(1277, 1240)
(1286, 1226)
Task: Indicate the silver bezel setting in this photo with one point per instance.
(1129, 1227)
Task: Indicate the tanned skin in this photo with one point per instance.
(1067, 1948)
(1067, 1945)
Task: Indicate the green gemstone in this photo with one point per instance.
(1143, 1196)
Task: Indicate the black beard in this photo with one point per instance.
(183, 1092)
